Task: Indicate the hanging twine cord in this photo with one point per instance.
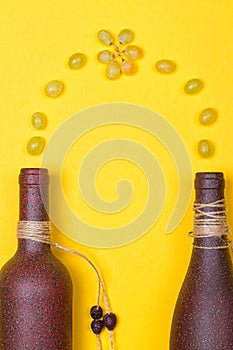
(99, 342)
(211, 223)
(100, 281)
(100, 285)
(39, 231)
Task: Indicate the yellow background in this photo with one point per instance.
(37, 38)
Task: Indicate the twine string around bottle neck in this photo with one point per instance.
(39, 231)
(210, 221)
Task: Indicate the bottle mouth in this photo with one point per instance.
(33, 176)
(209, 180)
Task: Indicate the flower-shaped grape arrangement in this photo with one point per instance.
(121, 58)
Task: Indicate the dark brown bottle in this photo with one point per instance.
(35, 287)
(203, 317)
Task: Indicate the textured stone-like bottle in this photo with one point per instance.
(203, 317)
(35, 287)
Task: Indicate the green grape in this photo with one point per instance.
(77, 60)
(208, 116)
(105, 56)
(205, 148)
(105, 37)
(193, 86)
(39, 120)
(133, 52)
(54, 88)
(113, 70)
(35, 145)
(128, 68)
(125, 36)
(165, 66)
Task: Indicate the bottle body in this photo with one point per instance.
(35, 292)
(203, 316)
(36, 303)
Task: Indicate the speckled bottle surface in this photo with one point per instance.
(35, 287)
(203, 316)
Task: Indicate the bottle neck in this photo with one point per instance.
(33, 203)
(30, 247)
(33, 206)
(210, 227)
(209, 195)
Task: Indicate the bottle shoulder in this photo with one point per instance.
(211, 262)
(208, 280)
(22, 268)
